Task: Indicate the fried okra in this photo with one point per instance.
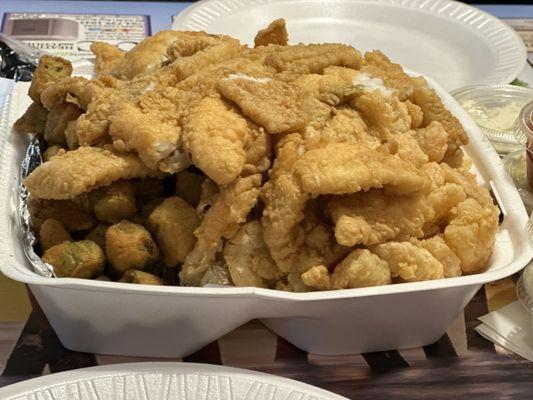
(52, 232)
(83, 259)
(130, 246)
(140, 277)
(72, 214)
(189, 187)
(52, 151)
(173, 223)
(114, 202)
(97, 235)
(49, 69)
(33, 120)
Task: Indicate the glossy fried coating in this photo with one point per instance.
(74, 172)
(52, 232)
(50, 69)
(377, 64)
(364, 179)
(189, 187)
(274, 33)
(140, 277)
(341, 168)
(97, 235)
(107, 57)
(409, 262)
(214, 49)
(434, 110)
(433, 140)
(173, 223)
(442, 252)
(222, 220)
(360, 268)
(95, 98)
(130, 246)
(285, 202)
(56, 124)
(214, 135)
(33, 120)
(270, 103)
(146, 56)
(312, 58)
(373, 217)
(52, 151)
(471, 234)
(149, 132)
(71, 214)
(83, 259)
(317, 278)
(115, 202)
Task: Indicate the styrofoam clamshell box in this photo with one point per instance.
(164, 321)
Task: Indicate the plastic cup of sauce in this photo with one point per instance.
(524, 133)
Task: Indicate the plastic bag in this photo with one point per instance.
(17, 60)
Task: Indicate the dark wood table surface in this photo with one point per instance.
(461, 363)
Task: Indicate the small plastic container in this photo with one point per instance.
(524, 290)
(516, 166)
(523, 130)
(495, 108)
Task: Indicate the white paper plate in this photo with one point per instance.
(163, 381)
(454, 43)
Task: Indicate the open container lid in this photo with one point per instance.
(495, 109)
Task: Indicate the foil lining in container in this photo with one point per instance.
(31, 161)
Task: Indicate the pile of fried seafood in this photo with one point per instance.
(193, 159)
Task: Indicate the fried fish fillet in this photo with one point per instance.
(147, 56)
(375, 217)
(284, 206)
(248, 258)
(215, 136)
(274, 33)
(69, 174)
(33, 120)
(409, 262)
(107, 57)
(360, 268)
(434, 110)
(312, 58)
(343, 168)
(471, 234)
(222, 220)
(270, 103)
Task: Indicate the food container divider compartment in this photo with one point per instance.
(163, 321)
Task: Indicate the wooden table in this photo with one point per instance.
(460, 363)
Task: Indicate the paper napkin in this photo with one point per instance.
(510, 327)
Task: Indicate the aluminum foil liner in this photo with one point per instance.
(17, 60)
(31, 161)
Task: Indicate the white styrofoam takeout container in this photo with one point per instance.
(163, 321)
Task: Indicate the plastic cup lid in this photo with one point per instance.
(524, 288)
(495, 108)
(523, 127)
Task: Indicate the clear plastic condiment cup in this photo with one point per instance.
(523, 131)
(495, 108)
